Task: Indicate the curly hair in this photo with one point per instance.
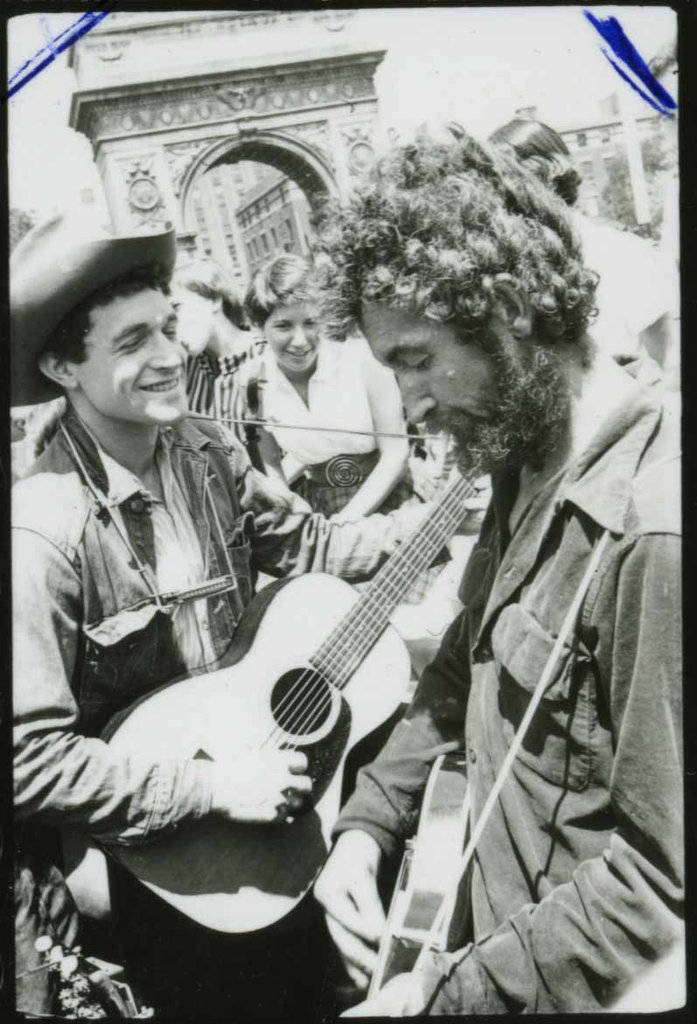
(431, 228)
(282, 280)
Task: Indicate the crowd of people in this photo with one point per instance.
(459, 317)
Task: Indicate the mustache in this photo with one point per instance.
(448, 420)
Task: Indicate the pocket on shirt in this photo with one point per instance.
(126, 655)
(239, 551)
(558, 743)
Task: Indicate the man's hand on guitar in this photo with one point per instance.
(262, 787)
(347, 889)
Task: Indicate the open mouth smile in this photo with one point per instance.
(165, 385)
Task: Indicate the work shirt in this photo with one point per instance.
(577, 881)
(178, 555)
(89, 639)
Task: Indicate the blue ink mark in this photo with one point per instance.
(613, 34)
(47, 54)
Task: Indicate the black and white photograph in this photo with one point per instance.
(346, 521)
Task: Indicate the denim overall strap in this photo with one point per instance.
(103, 506)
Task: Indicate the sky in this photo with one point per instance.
(474, 65)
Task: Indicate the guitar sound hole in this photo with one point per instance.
(301, 701)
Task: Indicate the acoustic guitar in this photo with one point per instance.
(425, 874)
(313, 666)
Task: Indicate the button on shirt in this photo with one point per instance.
(179, 561)
(577, 882)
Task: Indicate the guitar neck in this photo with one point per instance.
(348, 644)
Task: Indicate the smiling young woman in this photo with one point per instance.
(312, 381)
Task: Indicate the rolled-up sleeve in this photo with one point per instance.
(581, 946)
(289, 543)
(61, 777)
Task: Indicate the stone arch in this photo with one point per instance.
(298, 160)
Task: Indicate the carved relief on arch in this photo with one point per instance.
(314, 134)
(143, 195)
(180, 156)
(358, 139)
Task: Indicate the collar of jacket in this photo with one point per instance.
(184, 434)
(600, 481)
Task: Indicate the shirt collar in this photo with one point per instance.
(599, 481)
(122, 483)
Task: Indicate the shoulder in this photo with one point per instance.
(214, 438)
(656, 488)
(51, 501)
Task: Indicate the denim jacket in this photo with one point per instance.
(89, 639)
(577, 881)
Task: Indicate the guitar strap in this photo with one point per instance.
(255, 411)
(538, 693)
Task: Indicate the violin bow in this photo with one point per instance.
(298, 426)
(537, 695)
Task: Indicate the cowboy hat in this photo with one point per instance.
(53, 269)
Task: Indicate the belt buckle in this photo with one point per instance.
(343, 471)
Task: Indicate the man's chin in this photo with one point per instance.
(165, 413)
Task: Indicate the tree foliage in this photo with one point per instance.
(616, 200)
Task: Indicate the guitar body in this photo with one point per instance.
(426, 873)
(239, 878)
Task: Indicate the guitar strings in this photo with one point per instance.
(360, 610)
(317, 689)
(313, 709)
(340, 661)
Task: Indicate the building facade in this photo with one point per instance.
(274, 217)
(166, 98)
(593, 148)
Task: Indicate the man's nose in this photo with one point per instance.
(169, 352)
(417, 400)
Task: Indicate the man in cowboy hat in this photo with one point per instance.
(128, 501)
(466, 277)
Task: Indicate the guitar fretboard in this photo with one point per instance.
(348, 644)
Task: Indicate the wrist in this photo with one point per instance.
(359, 844)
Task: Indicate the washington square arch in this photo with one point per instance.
(166, 98)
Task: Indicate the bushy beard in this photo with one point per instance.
(527, 419)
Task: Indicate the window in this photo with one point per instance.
(581, 139)
(275, 238)
(265, 242)
(289, 227)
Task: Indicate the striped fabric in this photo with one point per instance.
(210, 381)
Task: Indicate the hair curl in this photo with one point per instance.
(432, 227)
(206, 278)
(282, 280)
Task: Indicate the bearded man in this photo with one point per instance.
(467, 279)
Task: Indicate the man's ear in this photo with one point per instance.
(513, 305)
(57, 369)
